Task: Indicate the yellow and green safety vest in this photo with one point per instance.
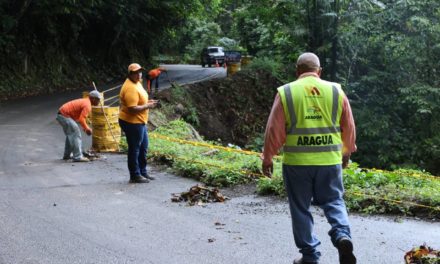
(312, 108)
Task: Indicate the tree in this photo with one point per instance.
(47, 45)
(391, 80)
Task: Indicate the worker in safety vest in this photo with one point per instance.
(312, 120)
(70, 113)
(153, 75)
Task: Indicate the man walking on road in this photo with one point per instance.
(70, 113)
(312, 120)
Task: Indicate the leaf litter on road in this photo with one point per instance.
(199, 195)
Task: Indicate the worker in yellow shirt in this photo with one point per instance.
(133, 119)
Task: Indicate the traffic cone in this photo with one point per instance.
(216, 64)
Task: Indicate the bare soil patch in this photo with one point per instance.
(233, 109)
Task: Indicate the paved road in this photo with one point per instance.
(53, 211)
(178, 74)
(185, 74)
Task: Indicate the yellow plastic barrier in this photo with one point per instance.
(202, 144)
(233, 67)
(106, 134)
(85, 94)
(246, 60)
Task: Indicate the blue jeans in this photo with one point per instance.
(137, 140)
(73, 137)
(156, 86)
(324, 185)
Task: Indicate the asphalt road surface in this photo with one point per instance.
(177, 74)
(52, 211)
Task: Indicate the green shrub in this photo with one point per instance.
(371, 191)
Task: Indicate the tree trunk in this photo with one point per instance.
(334, 56)
(25, 70)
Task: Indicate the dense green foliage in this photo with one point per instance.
(216, 168)
(51, 45)
(384, 52)
(390, 63)
(401, 192)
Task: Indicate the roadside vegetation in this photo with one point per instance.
(175, 142)
(385, 54)
(402, 192)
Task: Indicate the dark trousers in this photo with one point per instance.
(150, 86)
(137, 140)
(156, 85)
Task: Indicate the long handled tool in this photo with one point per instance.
(106, 119)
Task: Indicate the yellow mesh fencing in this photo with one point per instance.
(106, 131)
(259, 175)
(104, 140)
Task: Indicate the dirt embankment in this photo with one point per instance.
(233, 109)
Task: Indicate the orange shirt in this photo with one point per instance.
(133, 94)
(78, 110)
(275, 135)
(154, 73)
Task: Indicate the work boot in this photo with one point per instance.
(345, 249)
(138, 179)
(149, 177)
(301, 261)
(82, 159)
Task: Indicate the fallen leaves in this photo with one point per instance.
(422, 255)
(199, 195)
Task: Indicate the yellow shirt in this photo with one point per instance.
(133, 94)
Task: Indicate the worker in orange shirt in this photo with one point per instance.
(312, 121)
(153, 75)
(68, 115)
